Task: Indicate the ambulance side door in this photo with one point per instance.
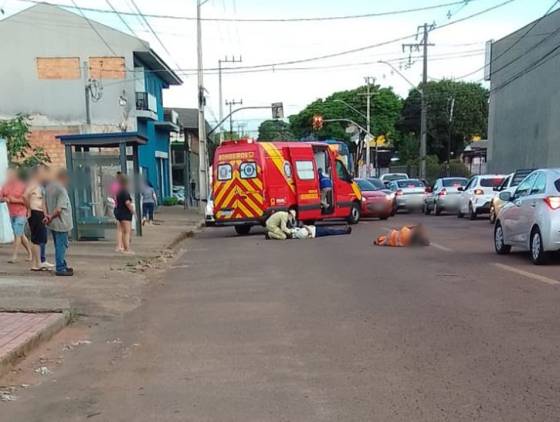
(344, 190)
(307, 184)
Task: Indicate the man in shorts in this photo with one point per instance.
(34, 198)
(12, 195)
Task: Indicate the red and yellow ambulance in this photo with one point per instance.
(251, 180)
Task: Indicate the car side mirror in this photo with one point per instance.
(505, 196)
(460, 188)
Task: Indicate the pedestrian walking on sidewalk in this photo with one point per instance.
(149, 200)
(35, 201)
(13, 195)
(124, 211)
(59, 220)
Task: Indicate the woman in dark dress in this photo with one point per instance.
(124, 210)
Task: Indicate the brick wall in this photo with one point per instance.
(58, 68)
(46, 139)
(107, 68)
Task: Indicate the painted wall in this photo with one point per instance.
(525, 100)
(61, 102)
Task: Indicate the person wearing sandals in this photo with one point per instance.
(124, 210)
(12, 195)
(35, 202)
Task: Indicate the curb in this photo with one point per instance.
(184, 235)
(11, 358)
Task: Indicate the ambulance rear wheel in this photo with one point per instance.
(354, 217)
(243, 230)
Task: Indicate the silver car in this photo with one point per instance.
(530, 219)
(445, 195)
(410, 194)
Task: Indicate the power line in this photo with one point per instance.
(92, 26)
(152, 30)
(535, 65)
(513, 45)
(122, 19)
(273, 20)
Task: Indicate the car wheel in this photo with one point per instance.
(243, 230)
(437, 210)
(472, 213)
(499, 245)
(492, 215)
(426, 209)
(538, 255)
(354, 217)
(459, 213)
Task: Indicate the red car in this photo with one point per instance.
(376, 202)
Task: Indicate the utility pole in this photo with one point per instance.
(424, 44)
(203, 151)
(370, 80)
(230, 104)
(226, 60)
(451, 112)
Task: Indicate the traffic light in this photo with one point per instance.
(317, 122)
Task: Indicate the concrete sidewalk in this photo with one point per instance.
(106, 283)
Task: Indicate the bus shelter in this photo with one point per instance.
(92, 162)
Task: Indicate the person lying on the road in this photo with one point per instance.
(403, 237)
(311, 232)
(278, 225)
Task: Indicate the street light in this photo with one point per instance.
(398, 72)
(351, 107)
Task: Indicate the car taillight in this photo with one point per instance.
(478, 192)
(553, 202)
(399, 192)
(442, 192)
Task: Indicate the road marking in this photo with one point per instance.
(441, 247)
(528, 274)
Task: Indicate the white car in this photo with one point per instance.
(209, 212)
(391, 177)
(409, 193)
(477, 195)
(530, 219)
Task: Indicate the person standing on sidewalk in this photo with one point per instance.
(45, 175)
(149, 200)
(59, 220)
(12, 195)
(35, 202)
(124, 211)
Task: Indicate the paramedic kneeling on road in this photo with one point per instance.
(277, 224)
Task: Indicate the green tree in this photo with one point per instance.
(20, 151)
(385, 112)
(470, 117)
(275, 130)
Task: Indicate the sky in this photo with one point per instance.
(458, 48)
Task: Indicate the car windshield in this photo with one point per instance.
(411, 183)
(396, 176)
(491, 182)
(519, 176)
(454, 183)
(378, 184)
(365, 185)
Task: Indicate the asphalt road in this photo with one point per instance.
(331, 329)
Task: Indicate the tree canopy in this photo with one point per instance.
(470, 115)
(275, 130)
(20, 151)
(385, 112)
